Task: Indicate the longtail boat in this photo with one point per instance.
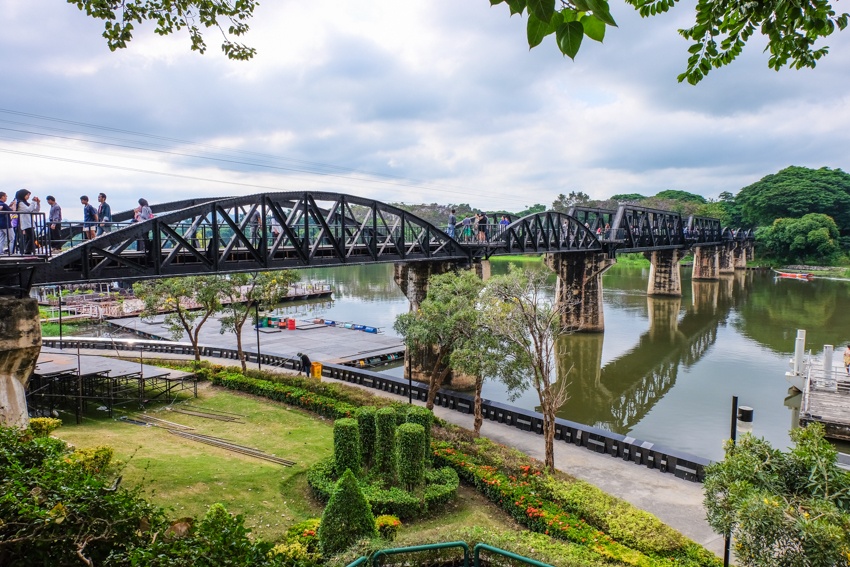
(794, 275)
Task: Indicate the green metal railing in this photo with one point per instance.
(476, 554)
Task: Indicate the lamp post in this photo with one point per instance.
(742, 417)
(60, 317)
(407, 356)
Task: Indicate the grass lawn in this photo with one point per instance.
(188, 477)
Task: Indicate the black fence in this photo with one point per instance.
(653, 456)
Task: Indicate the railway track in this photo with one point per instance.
(230, 446)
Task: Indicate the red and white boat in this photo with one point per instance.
(794, 275)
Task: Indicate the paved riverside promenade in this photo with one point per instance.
(676, 502)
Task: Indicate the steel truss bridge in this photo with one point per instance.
(217, 235)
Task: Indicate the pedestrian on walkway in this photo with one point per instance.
(6, 235)
(305, 363)
(89, 218)
(467, 228)
(25, 221)
(54, 218)
(142, 213)
(450, 229)
(104, 215)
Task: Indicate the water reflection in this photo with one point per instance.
(665, 369)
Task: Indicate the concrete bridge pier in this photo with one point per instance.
(706, 263)
(20, 345)
(665, 276)
(726, 260)
(579, 289)
(740, 256)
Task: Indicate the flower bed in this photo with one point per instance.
(520, 496)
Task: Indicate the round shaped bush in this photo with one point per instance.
(411, 454)
(347, 445)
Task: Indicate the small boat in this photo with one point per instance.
(795, 275)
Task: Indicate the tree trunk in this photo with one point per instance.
(435, 382)
(479, 418)
(549, 436)
(239, 350)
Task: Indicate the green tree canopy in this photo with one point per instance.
(121, 17)
(678, 195)
(563, 202)
(782, 509)
(794, 192)
(812, 238)
(627, 197)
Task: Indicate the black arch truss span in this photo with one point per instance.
(228, 235)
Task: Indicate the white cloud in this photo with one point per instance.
(400, 100)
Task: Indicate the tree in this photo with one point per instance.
(189, 302)
(174, 15)
(812, 238)
(239, 294)
(782, 509)
(719, 34)
(628, 197)
(536, 208)
(440, 324)
(679, 195)
(520, 312)
(794, 192)
(576, 198)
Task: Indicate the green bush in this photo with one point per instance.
(387, 526)
(366, 422)
(92, 460)
(619, 519)
(386, 454)
(346, 446)
(346, 518)
(305, 533)
(44, 426)
(410, 438)
(424, 417)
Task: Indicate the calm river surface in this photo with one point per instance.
(664, 370)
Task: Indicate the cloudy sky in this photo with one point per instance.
(399, 100)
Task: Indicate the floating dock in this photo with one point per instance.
(825, 387)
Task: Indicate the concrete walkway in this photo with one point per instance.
(676, 502)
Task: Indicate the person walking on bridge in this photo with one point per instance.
(6, 241)
(25, 220)
(89, 218)
(450, 229)
(104, 215)
(54, 217)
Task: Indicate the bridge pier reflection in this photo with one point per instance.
(580, 288)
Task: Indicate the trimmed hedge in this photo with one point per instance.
(411, 449)
(366, 423)
(386, 453)
(299, 397)
(346, 518)
(440, 487)
(346, 446)
(424, 417)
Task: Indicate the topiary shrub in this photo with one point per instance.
(44, 426)
(411, 454)
(366, 422)
(386, 455)
(92, 460)
(387, 526)
(346, 518)
(424, 417)
(346, 446)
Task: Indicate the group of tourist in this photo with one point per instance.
(475, 224)
(20, 230)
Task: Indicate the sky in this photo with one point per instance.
(415, 101)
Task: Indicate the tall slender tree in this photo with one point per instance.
(187, 302)
(241, 292)
(521, 313)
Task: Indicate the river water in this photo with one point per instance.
(664, 370)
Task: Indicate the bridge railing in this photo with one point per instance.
(24, 234)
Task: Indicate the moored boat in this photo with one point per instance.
(794, 275)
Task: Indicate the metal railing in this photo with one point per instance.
(24, 234)
(478, 560)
